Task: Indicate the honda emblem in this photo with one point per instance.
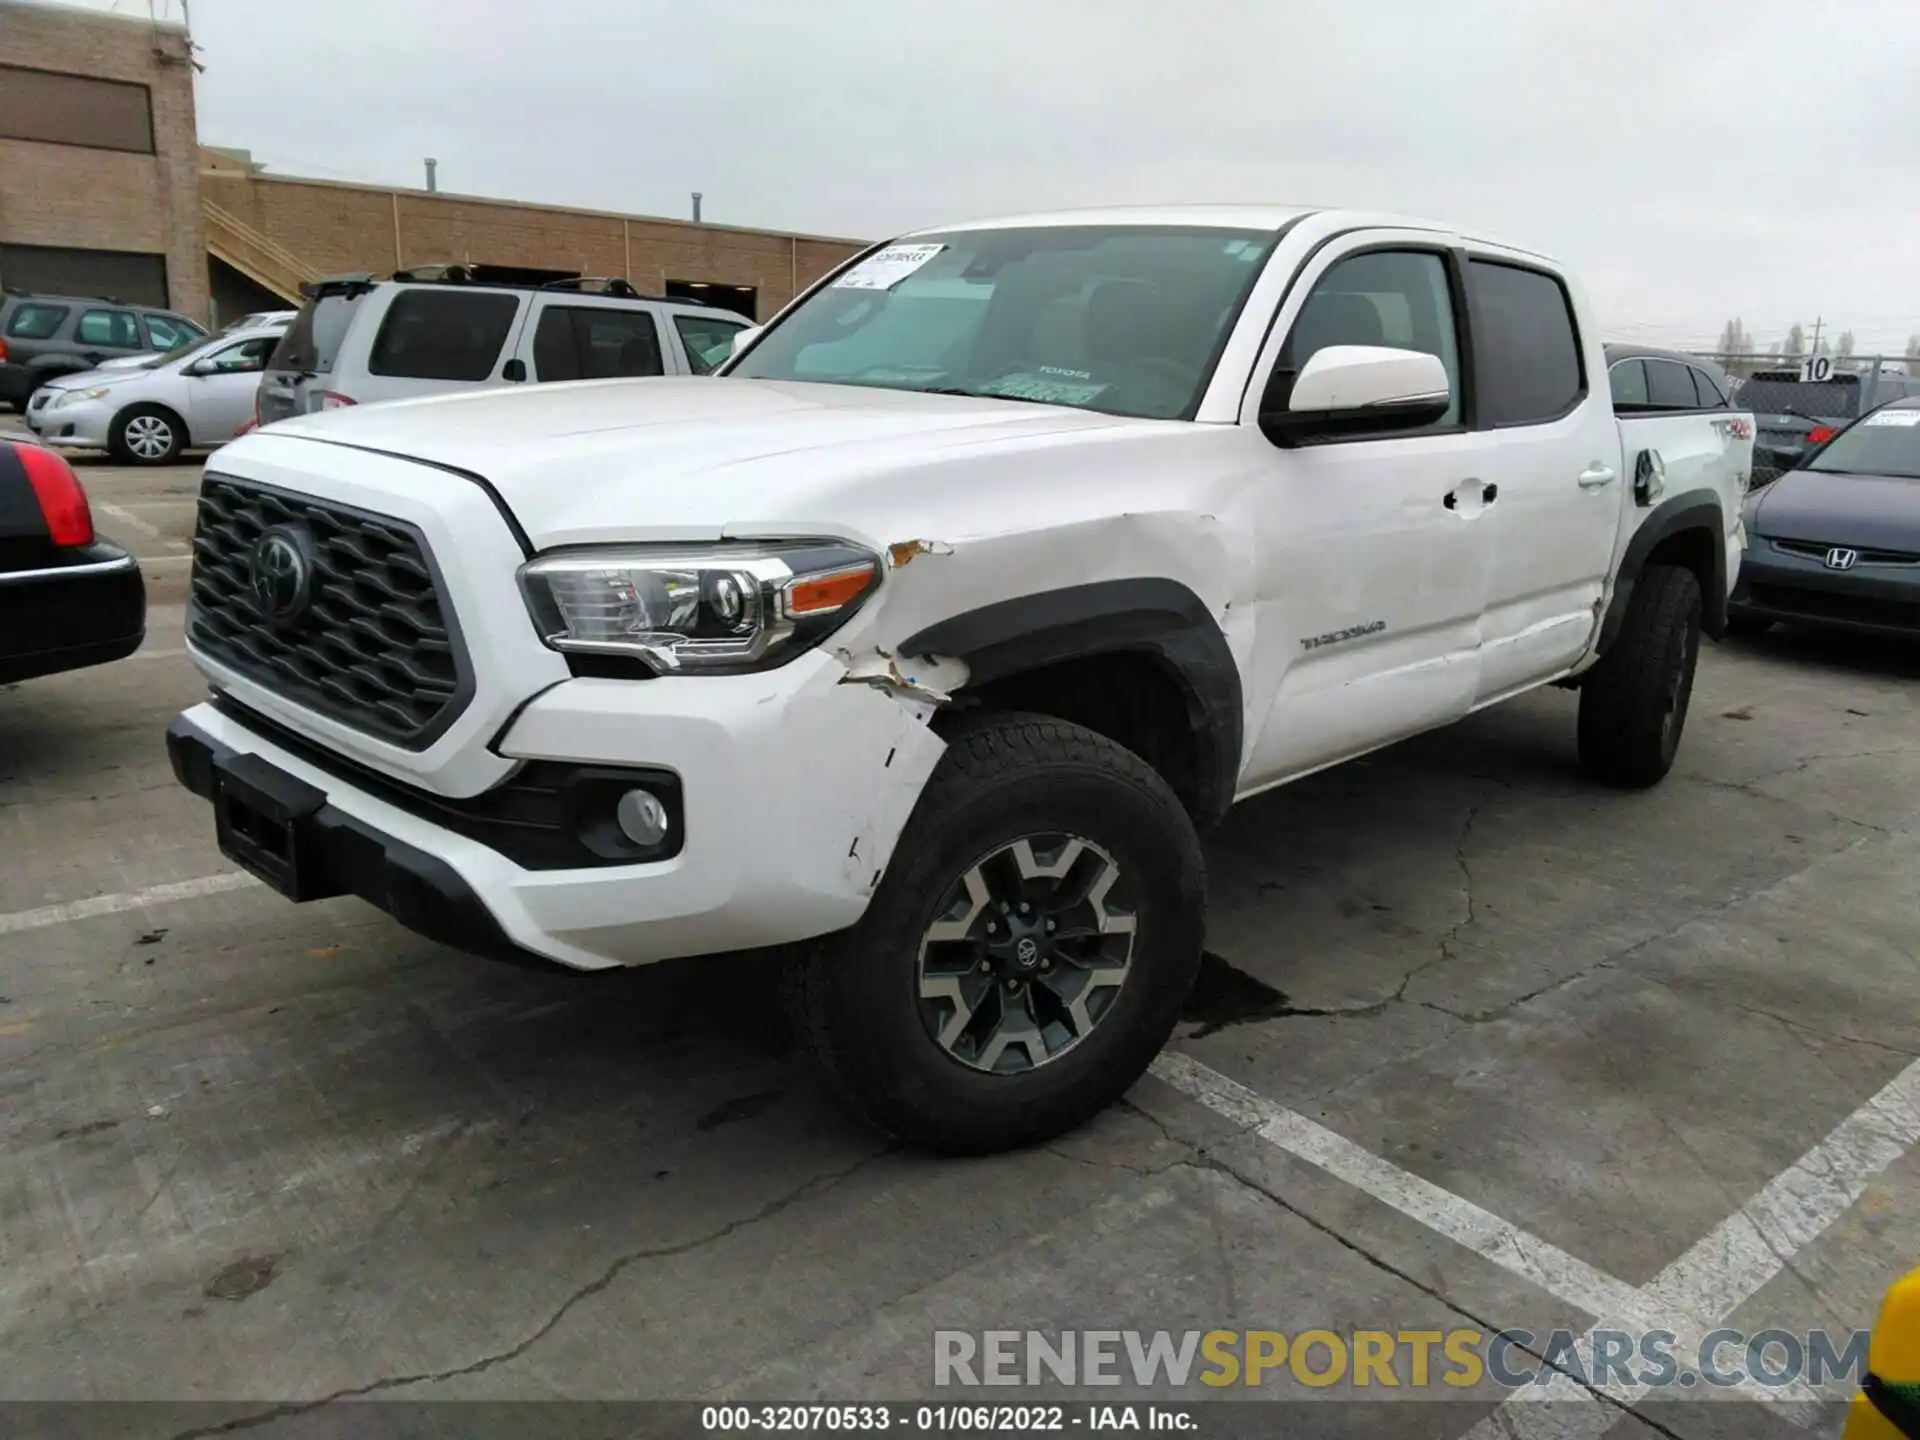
(1840, 558)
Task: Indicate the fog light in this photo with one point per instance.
(641, 817)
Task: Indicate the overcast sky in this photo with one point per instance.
(1694, 159)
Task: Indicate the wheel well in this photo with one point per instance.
(1131, 697)
(1694, 548)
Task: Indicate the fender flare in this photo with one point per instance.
(1691, 510)
(1157, 617)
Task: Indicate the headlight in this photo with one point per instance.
(75, 397)
(724, 607)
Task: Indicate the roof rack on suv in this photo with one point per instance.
(470, 273)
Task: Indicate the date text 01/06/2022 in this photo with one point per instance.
(947, 1419)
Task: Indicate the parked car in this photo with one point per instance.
(148, 413)
(67, 597)
(927, 650)
(443, 328)
(1645, 381)
(259, 320)
(1796, 417)
(43, 337)
(1836, 542)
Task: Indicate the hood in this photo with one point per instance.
(1870, 512)
(87, 379)
(688, 458)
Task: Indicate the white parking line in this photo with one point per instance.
(140, 527)
(1690, 1297)
(124, 900)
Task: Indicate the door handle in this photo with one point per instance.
(1594, 476)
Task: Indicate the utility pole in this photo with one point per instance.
(1813, 346)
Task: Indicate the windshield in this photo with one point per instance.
(1835, 399)
(184, 355)
(1125, 320)
(1887, 442)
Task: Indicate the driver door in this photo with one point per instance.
(221, 388)
(1372, 564)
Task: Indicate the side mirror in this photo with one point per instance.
(1355, 390)
(514, 370)
(743, 338)
(200, 367)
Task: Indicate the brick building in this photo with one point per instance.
(105, 189)
(99, 165)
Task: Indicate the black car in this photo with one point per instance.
(67, 597)
(1837, 541)
(44, 336)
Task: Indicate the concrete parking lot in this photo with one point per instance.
(1477, 1045)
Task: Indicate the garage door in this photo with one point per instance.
(125, 275)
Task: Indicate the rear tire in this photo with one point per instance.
(1028, 952)
(1633, 703)
(146, 435)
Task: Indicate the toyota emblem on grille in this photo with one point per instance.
(283, 573)
(1841, 558)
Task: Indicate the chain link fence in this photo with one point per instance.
(1798, 402)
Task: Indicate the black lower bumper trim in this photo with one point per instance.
(88, 608)
(340, 854)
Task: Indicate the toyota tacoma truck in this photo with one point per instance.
(923, 645)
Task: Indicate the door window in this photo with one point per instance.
(36, 322)
(1670, 386)
(114, 329)
(443, 334)
(1526, 349)
(246, 358)
(707, 340)
(1712, 397)
(1628, 380)
(1397, 298)
(579, 342)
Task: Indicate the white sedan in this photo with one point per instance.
(146, 414)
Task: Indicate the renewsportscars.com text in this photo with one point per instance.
(1392, 1359)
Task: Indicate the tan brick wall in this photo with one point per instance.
(336, 227)
(67, 195)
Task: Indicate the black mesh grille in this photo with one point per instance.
(374, 648)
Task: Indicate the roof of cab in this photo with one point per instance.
(1329, 221)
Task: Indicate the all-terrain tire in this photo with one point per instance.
(858, 999)
(1633, 703)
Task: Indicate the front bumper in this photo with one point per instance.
(1779, 585)
(81, 427)
(88, 608)
(794, 788)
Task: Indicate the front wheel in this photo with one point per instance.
(1028, 951)
(146, 435)
(1633, 703)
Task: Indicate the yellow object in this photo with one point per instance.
(1893, 1363)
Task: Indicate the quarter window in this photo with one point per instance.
(1397, 298)
(443, 334)
(166, 334)
(1526, 349)
(36, 322)
(1711, 396)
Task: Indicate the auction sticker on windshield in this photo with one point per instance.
(1894, 417)
(1046, 388)
(888, 268)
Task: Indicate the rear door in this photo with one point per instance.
(1554, 469)
(101, 334)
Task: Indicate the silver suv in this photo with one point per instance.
(438, 328)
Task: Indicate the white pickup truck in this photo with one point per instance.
(926, 641)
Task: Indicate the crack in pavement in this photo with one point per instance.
(812, 1188)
